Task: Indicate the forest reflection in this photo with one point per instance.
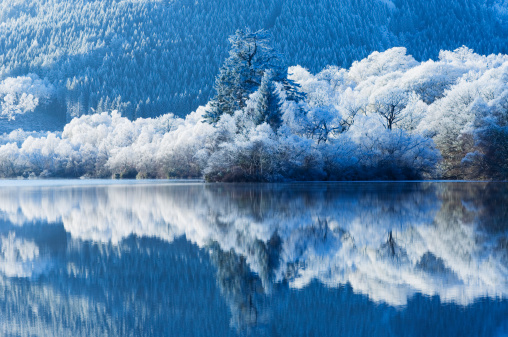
(386, 241)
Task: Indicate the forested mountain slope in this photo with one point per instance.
(146, 57)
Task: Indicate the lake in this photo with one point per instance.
(158, 258)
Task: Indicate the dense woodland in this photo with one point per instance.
(387, 116)
(145, 58)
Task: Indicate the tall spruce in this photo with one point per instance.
(268, 105)
(251, 55)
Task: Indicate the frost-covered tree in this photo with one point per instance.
(455, 119)
(251, 55)
(489, 157)
(19, 95)
(389, 105)
(267, 106)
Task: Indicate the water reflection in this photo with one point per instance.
(103, 253)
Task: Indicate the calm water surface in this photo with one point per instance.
(166, 259)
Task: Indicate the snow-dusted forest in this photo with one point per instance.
(387, 116)
(145, 58)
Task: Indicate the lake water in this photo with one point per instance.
(103, 258)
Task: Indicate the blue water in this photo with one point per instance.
(176, 259)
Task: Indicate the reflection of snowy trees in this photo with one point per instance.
(107, 246)
(238, 285)
(19, 257)
(428, 238)
(137, 287)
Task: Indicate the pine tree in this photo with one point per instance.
(250, 56)
(268, 104)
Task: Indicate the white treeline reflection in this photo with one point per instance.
(19, 257)
(388, 241)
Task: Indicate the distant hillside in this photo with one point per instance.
(146, 57)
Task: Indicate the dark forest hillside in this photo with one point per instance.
(145, 58)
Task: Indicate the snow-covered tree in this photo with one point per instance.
(267, 105)
(19, 95)
(389, 106)
(251, 55)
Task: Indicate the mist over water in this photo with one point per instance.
(324, 259)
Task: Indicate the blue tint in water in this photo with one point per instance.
(341, 259)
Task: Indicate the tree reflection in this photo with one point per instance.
(119, 246)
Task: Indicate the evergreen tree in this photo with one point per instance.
(268, 104)
(250, 56)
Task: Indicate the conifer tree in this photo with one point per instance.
(250, 56)
(268, 104)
